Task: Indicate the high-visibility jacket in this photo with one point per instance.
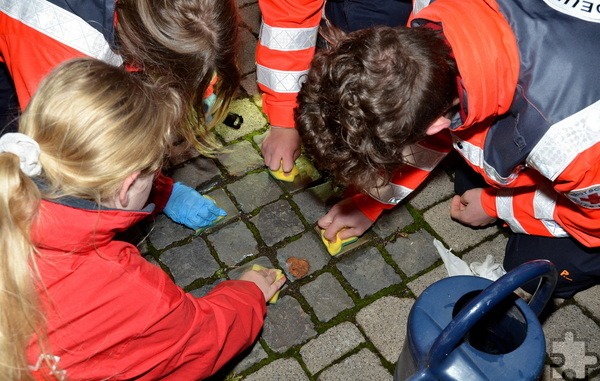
(111, 314)
(530, 113)
(38, 35)
(286, 46)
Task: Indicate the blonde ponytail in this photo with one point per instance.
(19, 314)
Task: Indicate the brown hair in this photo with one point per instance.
(370, 94)
(186, 42)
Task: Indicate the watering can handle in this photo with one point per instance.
(492, 295)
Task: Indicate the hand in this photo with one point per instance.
(281, 144)
(345, 218)
(265, 280)
(468, 209)
(188, 207)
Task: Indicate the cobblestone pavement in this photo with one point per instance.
(346, 319)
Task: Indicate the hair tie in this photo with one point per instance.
(26, 149)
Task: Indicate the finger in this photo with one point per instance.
(348, 232)
(326, 220)
(455, 207)
(278, 283)
(287, 164)
(275, 163)
(333, 229)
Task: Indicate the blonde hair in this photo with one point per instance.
(95, 124)
(186, 42)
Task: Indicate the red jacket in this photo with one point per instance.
(113, 315)
(555, 190)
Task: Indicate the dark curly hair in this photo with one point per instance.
(370, 94)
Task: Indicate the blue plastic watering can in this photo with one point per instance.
(467, 328)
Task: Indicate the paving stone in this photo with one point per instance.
(276, 222)
(254, 120)
(359, 367)
(249, 85)
(165, 232)
(419, 285)
(384, 323)
(496, 248)
(456, 235)
(287, 369)
(330, 346)
(569, 330)
(242, 3)
(589, 300)
(249, 357)
(197, 172)
(313, 201)
(392, 221)
(251, 17)
(190, 262)
(437, 188)
(254, 190)
(326, 296)
(287, 325)
(240, 158)
(307, 247)
(367, 272)
(414, 253)
(248, 44)
(233, 243)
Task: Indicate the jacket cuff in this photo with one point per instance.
(280, 116)
(161, 191)
(488, 201)
(369, 206)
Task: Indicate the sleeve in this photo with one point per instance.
(161, 191)
(568, 204)
(285, 49)
(192, 338)
(562, 195)
(419, 160)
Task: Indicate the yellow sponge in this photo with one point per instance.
(335, 247)
(281, 175)
(279, 275)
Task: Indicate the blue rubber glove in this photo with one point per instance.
(188, 207)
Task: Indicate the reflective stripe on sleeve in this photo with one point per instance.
(505, 210)
(390, 193)
(565, 140)
(544, 203)
(279, 80)
(287, 39)
(61, 25)
(421, 157)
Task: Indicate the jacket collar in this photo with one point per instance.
(485, 50)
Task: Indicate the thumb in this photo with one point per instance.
(456, 206)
